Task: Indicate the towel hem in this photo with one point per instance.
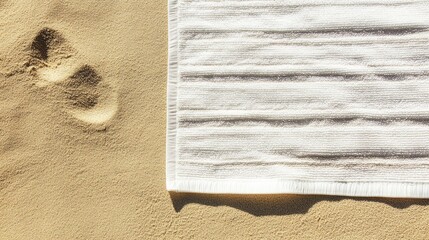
(356, 189)
(172, 90)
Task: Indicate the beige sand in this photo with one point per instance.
(82, 135)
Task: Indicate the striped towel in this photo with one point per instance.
(299, 96)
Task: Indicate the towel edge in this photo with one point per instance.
(352, 189)
(172, 90)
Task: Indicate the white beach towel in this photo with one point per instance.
(299, 96)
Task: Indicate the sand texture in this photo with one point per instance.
(82, 141)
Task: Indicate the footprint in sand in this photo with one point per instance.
(86, 95)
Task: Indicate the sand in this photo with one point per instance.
(82, 141)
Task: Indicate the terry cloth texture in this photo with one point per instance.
(299, 96)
